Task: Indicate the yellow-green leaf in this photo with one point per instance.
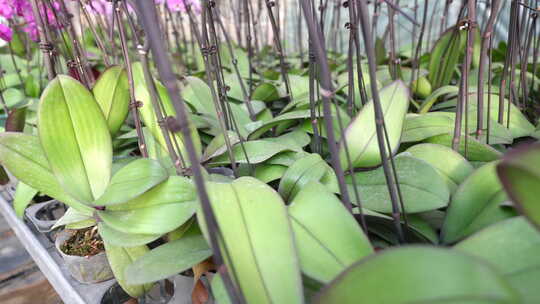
(112, 94)
(74, 135)
(361, 135)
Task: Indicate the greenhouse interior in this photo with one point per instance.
(269, 151)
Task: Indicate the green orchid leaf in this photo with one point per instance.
(513, 247)
(174, 190)
(266, 92)
(169, 259)
(383, 227)
(131, 181)
(111, 92)
(253, 152)
(445, 56)
(327, 236)
(119, 259)
(309, 168)
(74, 135)
(296, 138)
(22, 198)
(268, 172)
(218, 146)
(158, 219)
(159, 210)
(121, 239)
(516, 122)
(31, 86)
(22, 155)
(286, 118)
(343, 79)
(149, 117)
(420, 127)
(475, 205)
(360, 135)
(198, 95)
(422, 187)
(432, 98)
(419, 275)
(256, 231)
(519, 173)
(453, 167)
(74, 219)
(476, 150)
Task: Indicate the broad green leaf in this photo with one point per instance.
(475, 205)
(169, 259)
(445, 56)
(23, 156)
(188, 227)
(267, 172)
(419, 275)
(476, 150)
(453, 167)
(198, 94)
(513, 247)
(218, 146)
(157, 211)
(112, 94)
(307, 169)
(253, 152)
(526, 283)
(23, 197)
(131, 181)
(74, 135)
(382, 226)
(256, 231)
(420, 127)
(360, 135)
(432, 98)
(149, 117)
(118, 238)
(518, 125)
(327, 236)
(343, 79)
(519, 173)
(176, 189)
(31, 86)
(13, 97)
(281, 119)
(74, 219)
(119, 259)
(422, 187)
(158, 219)
(265, 92)
(296, 138)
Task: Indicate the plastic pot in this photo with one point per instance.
(163, 292)
(86, 270)
(44, 215)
